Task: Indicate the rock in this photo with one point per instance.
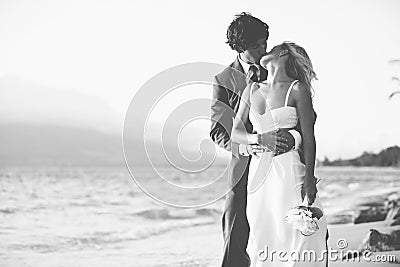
(394, 198)
(371, 214)
(393, 206)
(371, 201)
(379, 242)
(340, 218)
(393, 214)
(371, 209)
(395, 222)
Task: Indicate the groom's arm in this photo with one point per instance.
(222, 115)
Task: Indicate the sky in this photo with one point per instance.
(81, 62)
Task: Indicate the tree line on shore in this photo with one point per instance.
(389, 157)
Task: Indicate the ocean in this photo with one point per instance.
(98, 216)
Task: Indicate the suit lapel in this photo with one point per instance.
(238, 76)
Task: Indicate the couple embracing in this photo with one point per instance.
(262, 113)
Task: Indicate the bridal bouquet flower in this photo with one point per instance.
(304, 218)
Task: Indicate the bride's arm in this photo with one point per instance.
(239, 133)
(302, 95)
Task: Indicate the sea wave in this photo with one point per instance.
(170, 225)
(99, 240)
(8, 210)
(155, 213)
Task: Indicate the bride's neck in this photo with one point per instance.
(277, 74)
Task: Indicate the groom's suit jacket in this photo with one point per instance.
(228, 88)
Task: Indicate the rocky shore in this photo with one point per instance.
(372, 228)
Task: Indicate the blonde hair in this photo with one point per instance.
(298, 65)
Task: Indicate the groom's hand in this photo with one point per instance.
(284, 142)
(272, 141)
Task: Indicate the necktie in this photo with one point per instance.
(253, 73)
(263, 74)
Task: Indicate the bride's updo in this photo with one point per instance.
(298, 65)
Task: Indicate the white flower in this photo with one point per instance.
(304, 219)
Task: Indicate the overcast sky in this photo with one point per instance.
(106, 50)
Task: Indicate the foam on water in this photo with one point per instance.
(48, 210)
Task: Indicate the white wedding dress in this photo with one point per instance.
(274, 186)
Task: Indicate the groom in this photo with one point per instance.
(248, 36)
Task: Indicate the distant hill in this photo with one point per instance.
(25, 102)
(389, 157)
(63, 145)
(49, 144)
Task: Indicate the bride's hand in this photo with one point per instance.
(309, 189)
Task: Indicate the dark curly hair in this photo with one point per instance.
(245, 30)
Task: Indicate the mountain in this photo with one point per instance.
(51, 144)
(51, 125)
(389, 157)
(26, 102)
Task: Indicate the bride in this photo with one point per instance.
(279, 183)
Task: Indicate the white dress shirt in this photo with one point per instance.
(246, 66)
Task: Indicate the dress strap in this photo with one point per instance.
(288, 91)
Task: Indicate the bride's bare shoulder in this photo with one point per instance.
(301, 90)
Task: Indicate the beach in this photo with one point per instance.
(81, 216)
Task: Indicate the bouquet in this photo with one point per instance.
(304, 218)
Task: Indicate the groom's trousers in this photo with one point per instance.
(228, 87)
(234, 220)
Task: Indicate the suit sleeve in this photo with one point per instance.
(222, 116)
